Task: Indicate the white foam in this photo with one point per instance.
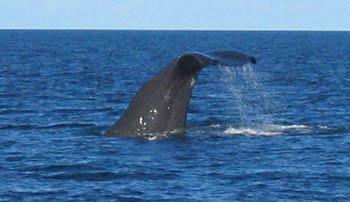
(248, 131)
(286, 127)
(151, 138)
(269, 130)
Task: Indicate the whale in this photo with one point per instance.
(161, 104)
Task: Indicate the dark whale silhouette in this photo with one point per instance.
(161, 103)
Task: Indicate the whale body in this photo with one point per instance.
(161, 104)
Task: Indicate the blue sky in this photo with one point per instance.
(176, 14)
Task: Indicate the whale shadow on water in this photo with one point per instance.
(159, 108)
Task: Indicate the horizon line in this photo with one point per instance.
(154, 29)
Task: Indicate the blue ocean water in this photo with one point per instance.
(276, 131)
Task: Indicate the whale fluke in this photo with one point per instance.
(161, 103)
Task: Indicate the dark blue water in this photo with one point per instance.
(280, 132)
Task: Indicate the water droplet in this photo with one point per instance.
(141, 120)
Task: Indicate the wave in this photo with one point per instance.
(16, 111)
(51, 126)
(108, 176)
(67, 125)
(37, 191)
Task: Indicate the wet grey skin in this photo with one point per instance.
(161, 104)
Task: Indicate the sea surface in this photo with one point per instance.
(275, 131)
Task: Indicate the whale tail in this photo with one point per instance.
(196, 60)
(161, 103)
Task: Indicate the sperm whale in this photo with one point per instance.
(161, 104)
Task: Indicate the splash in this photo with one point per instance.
(176, 133)
(248, 99)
